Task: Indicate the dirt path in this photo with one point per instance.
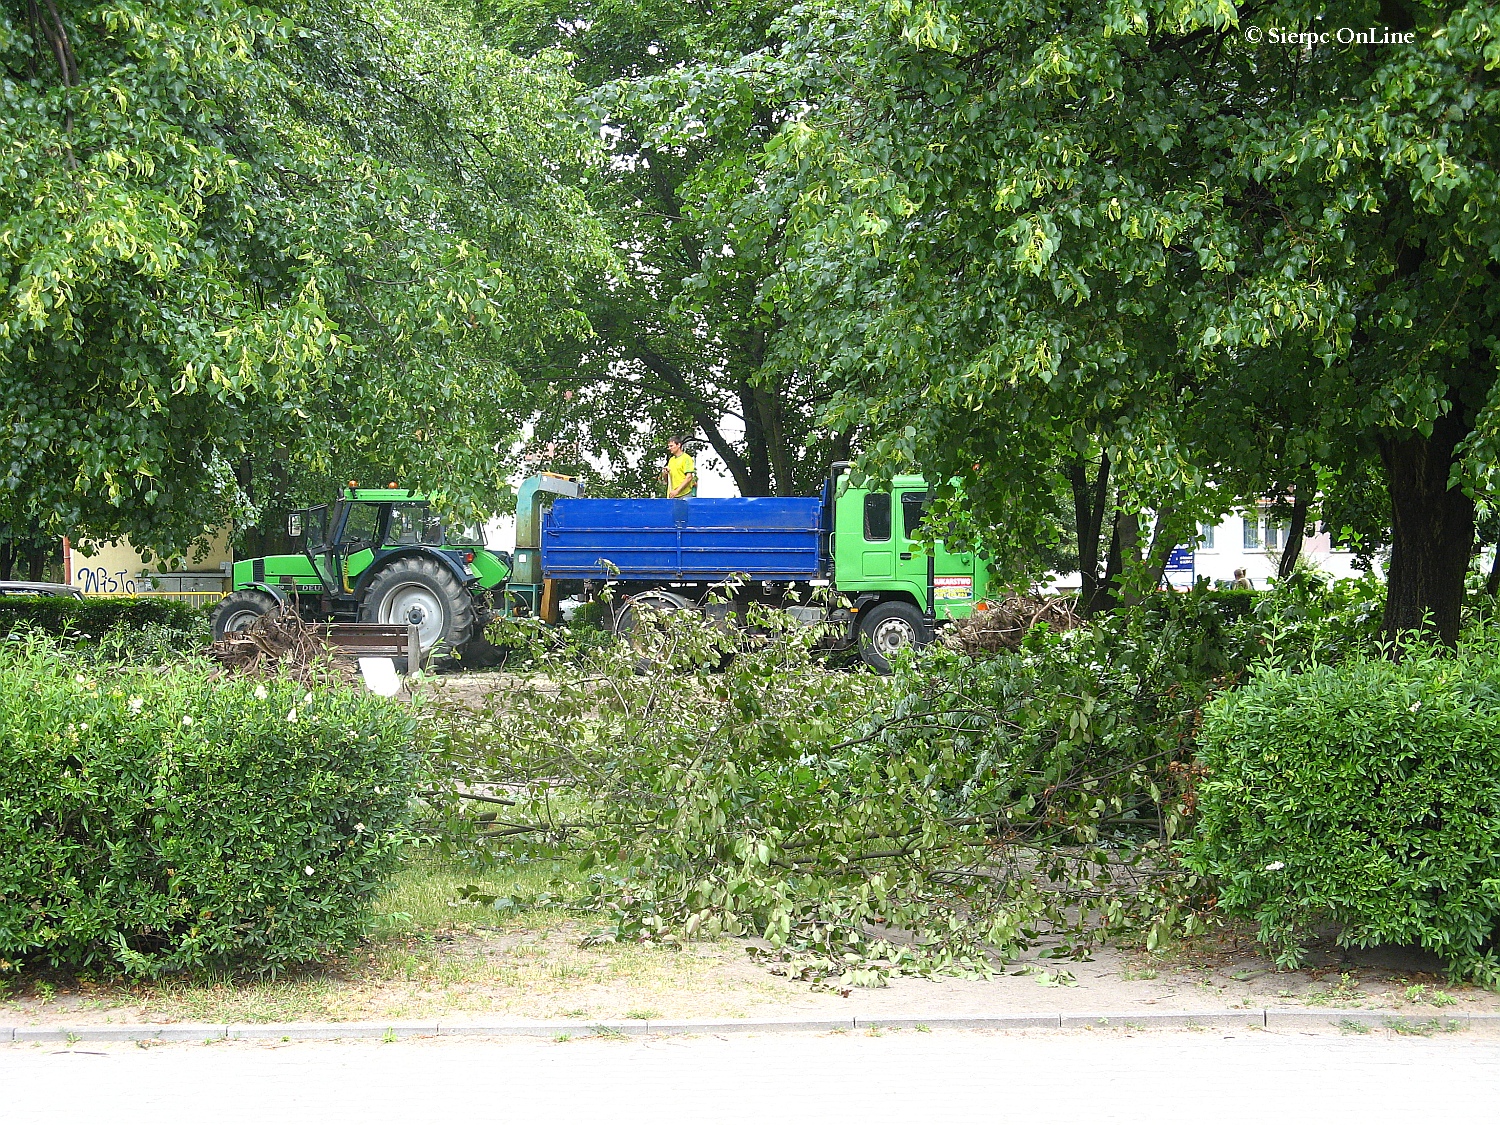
(546, 974)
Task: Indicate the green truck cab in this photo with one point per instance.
(899, 589)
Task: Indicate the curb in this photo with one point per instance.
(1273, 1020)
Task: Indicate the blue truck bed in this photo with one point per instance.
(700, 539)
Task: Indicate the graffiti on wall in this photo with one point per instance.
(98, 580)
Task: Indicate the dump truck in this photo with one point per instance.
(850, 557)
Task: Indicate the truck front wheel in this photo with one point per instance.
(888, 628)
(424, 593)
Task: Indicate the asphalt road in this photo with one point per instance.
(1037, 1078)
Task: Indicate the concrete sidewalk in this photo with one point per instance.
(1348, 1020)
(1037, 1078)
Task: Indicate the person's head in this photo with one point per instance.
(675, 445)
(1240, 573)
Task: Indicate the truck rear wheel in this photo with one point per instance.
(888, 628)
(240, 610)
(424, 593)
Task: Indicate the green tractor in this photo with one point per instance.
(376, 555)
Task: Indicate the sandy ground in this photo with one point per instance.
(547, 975)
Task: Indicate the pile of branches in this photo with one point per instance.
(1002, 626)
(953, 815)
(282, 644)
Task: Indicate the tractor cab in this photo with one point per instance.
(343, 540)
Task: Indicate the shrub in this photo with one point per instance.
(158, 630)
(1306, 620)
(155, 822)
(1366, 796)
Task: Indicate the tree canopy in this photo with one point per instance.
(244, 243)
(683, 336)
(1030, 232)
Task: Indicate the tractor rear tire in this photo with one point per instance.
(422, 592)
(887, 628)
(240, 610)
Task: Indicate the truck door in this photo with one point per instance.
(911, 556)
(952, 572)
(876, 549)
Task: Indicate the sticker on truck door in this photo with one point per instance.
(958, 588)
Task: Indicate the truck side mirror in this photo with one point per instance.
(294, 525)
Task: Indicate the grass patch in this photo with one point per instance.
(431, 951)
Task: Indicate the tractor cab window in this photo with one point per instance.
(413, 524)
(877, 517)
(315, 527)
(361, 527)
(913, 508)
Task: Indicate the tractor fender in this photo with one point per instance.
(268, 588)
(379, 563)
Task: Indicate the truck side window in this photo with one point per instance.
(913, 508)
(877, 516)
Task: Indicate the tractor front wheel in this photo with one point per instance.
(424, 593)
(240, 610)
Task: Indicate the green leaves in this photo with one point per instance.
(973, 804)
(246, 248)
(164, 820)
(1013, 223)
(1361, 795)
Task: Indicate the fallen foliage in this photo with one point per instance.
(282, 645)
(1004, 626)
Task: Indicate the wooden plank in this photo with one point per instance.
(371, 640)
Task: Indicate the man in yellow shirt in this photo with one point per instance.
(680, 474)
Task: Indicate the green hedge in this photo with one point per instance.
(94, 617)
(1366, 795)
(156, 822)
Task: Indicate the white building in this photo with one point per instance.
(1249, 541)
(1252, 541)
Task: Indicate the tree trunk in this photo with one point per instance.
(36, 569)
(1088, 519)
(1294, 535)
(1432, 532)
(1158, 553)
(8, 559)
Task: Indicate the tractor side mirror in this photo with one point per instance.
(294, 525)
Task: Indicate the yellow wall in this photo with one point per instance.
(115, 568)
